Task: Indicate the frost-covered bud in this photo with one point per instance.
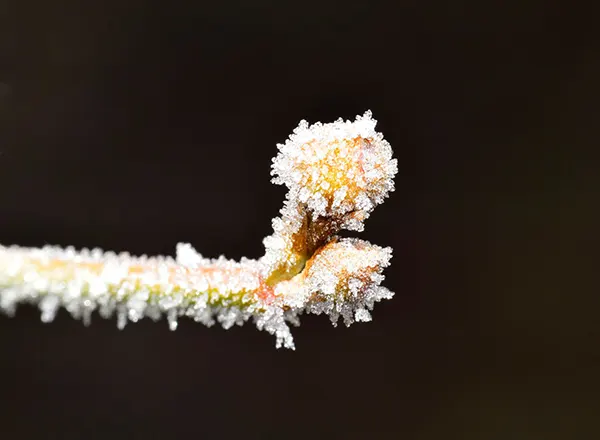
(342, 279)
(337, 168)
(347, 267)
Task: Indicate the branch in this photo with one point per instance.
(335, 173)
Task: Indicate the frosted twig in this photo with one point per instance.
(336, 174)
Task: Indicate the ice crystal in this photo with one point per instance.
(336, 174)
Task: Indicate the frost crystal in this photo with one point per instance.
(336, 174)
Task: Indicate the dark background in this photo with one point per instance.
(133, 125)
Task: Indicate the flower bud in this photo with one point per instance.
(340, 169)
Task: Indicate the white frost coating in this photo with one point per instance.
(336, 174)
(186, 255)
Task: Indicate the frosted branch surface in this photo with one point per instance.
(336, 174)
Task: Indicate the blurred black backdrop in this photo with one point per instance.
(133, 125)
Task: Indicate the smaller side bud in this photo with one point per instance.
(344, 278)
